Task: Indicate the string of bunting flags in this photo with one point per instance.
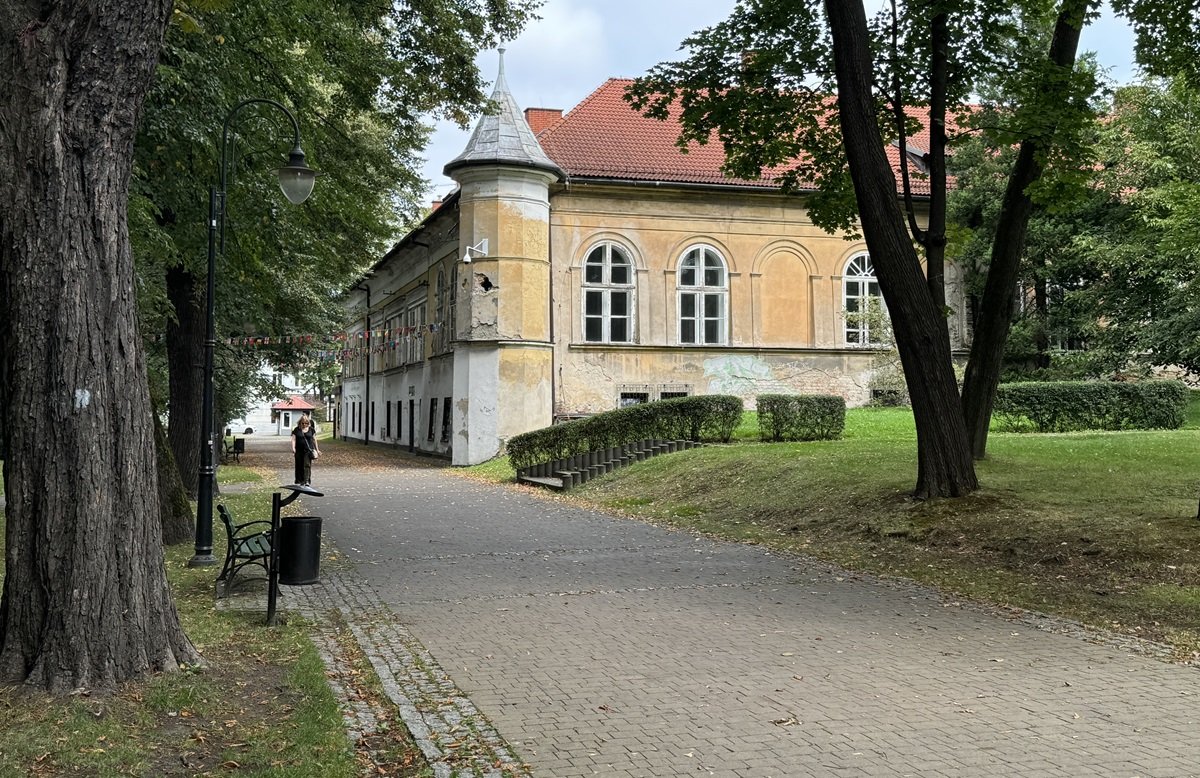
(356, 343)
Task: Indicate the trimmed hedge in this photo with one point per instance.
(701, 417)
(800, 417)
(1065, 406)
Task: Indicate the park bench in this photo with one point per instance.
(234, 449)
(249, 544)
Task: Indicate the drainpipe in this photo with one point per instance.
(364, 287)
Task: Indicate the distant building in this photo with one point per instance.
(286, 413)
(585, 263)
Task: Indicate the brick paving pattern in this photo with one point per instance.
(603, 646)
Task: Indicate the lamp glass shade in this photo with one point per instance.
(296, 181)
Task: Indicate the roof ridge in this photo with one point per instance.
(549, 130)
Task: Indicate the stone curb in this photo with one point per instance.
(455, 738)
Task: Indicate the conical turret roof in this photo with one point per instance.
(503, 138)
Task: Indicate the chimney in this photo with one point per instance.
(539, 119)
(436, 204)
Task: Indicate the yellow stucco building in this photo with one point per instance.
(584, 263)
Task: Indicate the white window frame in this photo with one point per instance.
(859, 282)
(698, 255)
(606, 288)
(414, 339)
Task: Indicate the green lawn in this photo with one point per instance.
(1100, 527)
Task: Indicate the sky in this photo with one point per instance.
(578, 44)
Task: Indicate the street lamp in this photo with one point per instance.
(296, 180)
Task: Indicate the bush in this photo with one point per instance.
(702, 417)
(1064, 406)
(800, 417)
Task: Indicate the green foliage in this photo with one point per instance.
(760, 82)
(364, 80)
(1066, 406)
(801, 416)
(701, 417)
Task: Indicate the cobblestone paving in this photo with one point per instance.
(602, 646)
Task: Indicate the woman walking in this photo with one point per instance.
(304, 450)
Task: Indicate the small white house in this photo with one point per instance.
(286, 413)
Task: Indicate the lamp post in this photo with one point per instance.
(296, 180)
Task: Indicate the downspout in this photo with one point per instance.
(364, 287)
(553, 344)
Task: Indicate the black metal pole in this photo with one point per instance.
(204, 495)
(273, 570)
(216, 222)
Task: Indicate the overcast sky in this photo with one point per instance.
(578, 44)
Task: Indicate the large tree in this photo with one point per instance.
(763, 81)
(944, 466)
(85, 600)
(812, 98)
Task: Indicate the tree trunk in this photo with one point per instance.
(1041, 310)
(177, 516)
(944, 465)
(935, 240)
(185, 368)
(996, 305)
(85, 601)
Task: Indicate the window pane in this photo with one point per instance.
(851, 305)
(619, 272)
(593, 272)
(852, 336)
(620, 330)
(687, 276)
(712, 331)
(618, 303)
(714, 271)
(593, 329)
(687, 306)
(594, 303)
(712, 305)
(687, 331)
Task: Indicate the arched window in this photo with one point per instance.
(609, 291)
(703, 286)
(866, 316)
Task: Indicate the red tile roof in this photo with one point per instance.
(605, 137)
(293, 403)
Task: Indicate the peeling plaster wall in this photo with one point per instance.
(476, 403)
(525, 388)
(595, 377)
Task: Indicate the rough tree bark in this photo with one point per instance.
(178, 520)
(996, 305)
(85, 601)
(185, 367)
(944, 464)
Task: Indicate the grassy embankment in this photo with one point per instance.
(1097, 527)
(261, 706)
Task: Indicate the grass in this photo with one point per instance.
(1097, 527)
(260, 707)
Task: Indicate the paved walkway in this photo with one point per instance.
(603, 646)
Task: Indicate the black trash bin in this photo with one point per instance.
(299, 550)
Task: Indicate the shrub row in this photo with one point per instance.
(1064, 406)
(701, 417)
(800, 417)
